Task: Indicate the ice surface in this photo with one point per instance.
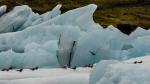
(35, 55)
(95, 45)
(99, 71)
(31, 19)
(3, 10)
(14, 19)
(35, 34)
(66, 45)
(46, 76)
(113, 72)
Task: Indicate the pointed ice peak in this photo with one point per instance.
(57, 7)
(51, 14)
(111, 27)
(82, 17)
(139, 32)
(3, 10)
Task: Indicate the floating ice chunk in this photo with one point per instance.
(35, 55)
(95, 45)
(99, 70)
(49, 15)
(43, 55)
(3, 10)
(140, 47)
(139, 32)
(5, 61)
(120, 73)
(114, 29)
(13, 20)
(33, 34)
(82, 17)
(29, 22)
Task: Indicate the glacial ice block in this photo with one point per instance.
(47, 16)
(3, 10)
(66, 43)
(109, 72)
(29, 21)
(35, 55)
(92, 42)
(139, 32)
(95, 45)
(13, 20)
(81, 17)
(51, 14)
(99, 70)
(38, 34)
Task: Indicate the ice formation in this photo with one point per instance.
(70, 39)
(126, 72)
(14, 19)
(34, 32)
(3, 10)
(49, 15)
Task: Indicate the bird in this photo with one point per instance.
(90, 65)
(35, 68)
(135, 62)
(140, 62)
(74, 68)
(3, 69)
(7, 69)
(65, 66)
(10, 68)
(20, 70)
(32, 69)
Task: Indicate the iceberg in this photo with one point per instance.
(35, 55)
(22, 17)
(51, 14)
(35, 34)
(81, 17)
(3, 10)
(140, 47)
(66, 25)
(126, 72)
(35, 18)
(70, 39)
(100, 69)
(95, 45)
(13, 20)
(139, 32)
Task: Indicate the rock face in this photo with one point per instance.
(109, 12)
